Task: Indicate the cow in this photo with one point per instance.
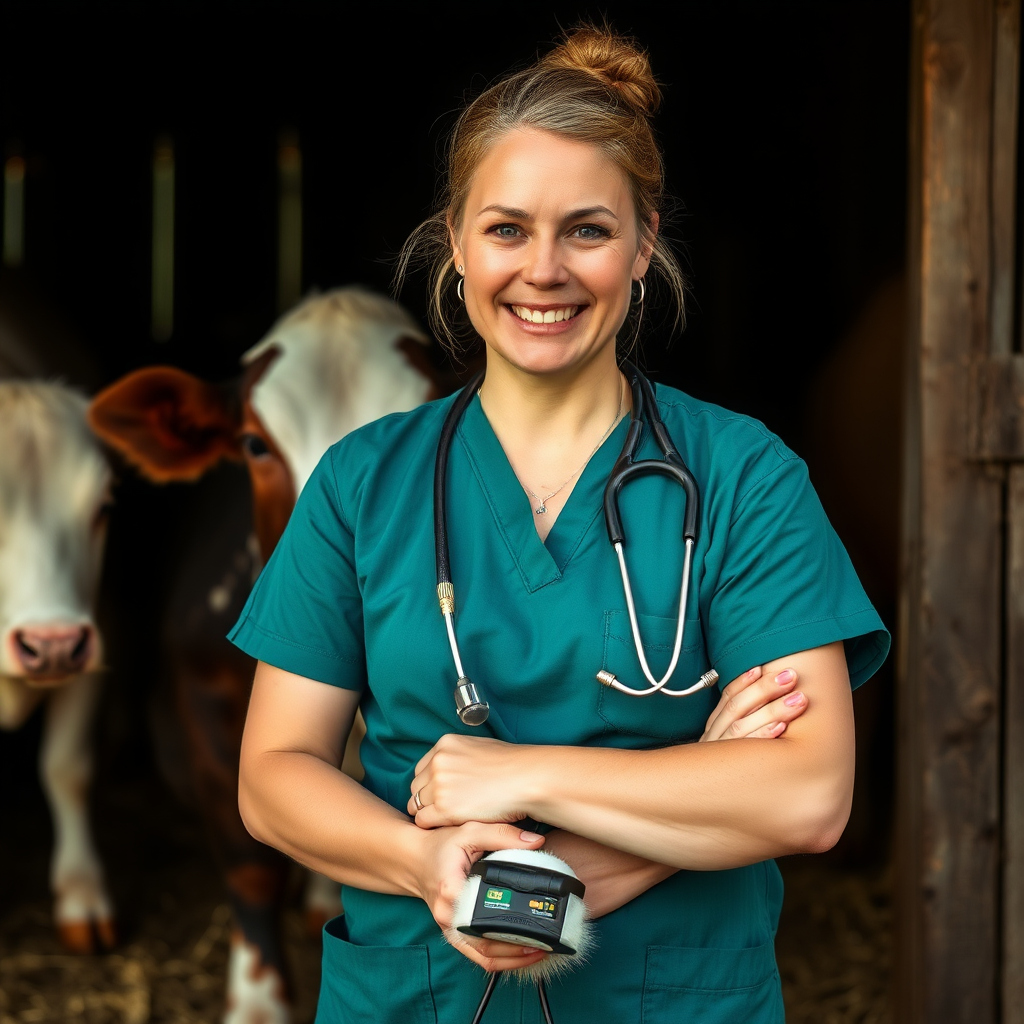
(335, 362)
(54, 505)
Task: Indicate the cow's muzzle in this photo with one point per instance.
(54, 652)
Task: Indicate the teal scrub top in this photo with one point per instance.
(348, 598)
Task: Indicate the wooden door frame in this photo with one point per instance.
(960, 707)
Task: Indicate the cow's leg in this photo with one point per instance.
(83, 911)
(213, 698)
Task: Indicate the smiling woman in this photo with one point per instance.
(548, 227)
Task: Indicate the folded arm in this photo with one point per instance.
(701, 806)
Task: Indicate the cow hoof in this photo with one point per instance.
(98, 936)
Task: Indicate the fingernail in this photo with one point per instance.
(778, 729)
(785, 676)
(529, 837)
(794, 699)
(753, 673)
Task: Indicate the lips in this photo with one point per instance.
(544, 316)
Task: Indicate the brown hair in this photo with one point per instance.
(595, 87)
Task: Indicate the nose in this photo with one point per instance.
(545, 267)
(53, 651)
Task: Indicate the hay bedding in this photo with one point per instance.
(834, 946)
(833, 949)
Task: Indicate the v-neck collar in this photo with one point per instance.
(539, 562)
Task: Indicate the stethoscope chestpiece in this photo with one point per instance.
(472, 710)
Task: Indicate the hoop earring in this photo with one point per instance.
(459, 292)
(643, 292)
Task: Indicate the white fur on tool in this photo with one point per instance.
(577, 930)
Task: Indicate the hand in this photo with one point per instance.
(468, 778)
(756, 707)
(612, 877)
(441, 875)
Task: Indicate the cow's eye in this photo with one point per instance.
(254, 446)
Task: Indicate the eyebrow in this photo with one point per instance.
(514, 213)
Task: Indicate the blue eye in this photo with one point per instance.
(590, 232)
(506, 231)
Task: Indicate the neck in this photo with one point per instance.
(534, 413)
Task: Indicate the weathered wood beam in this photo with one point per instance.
(996, 425)
(1013, 769)
(950, 665)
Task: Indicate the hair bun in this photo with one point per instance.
(614, 59)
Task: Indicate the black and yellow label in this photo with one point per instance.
(542, 908)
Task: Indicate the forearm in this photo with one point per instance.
(699, 806)
(312, 812)
(612, 877)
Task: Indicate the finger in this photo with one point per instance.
(785, 709)
(422, 763)
(772, 731)
(733, 688)
(480, 837)
(747, 700)
(412, 807)
(521, 956)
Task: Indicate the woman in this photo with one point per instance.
(549, 228)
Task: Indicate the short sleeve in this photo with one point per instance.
(786, 584)
(304, 614)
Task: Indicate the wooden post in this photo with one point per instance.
(950, 671)
(1005, 349)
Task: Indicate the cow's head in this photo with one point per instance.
(335, 362)
(54, 500)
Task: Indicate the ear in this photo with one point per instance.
(457, 259)
(167, 423)
(646, 251)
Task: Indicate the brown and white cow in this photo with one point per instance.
(335, 362)
(54, 497)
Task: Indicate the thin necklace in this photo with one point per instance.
(542, 507)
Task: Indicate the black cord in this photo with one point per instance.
(486, 998)
(542, 992)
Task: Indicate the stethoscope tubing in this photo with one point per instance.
(472, 709)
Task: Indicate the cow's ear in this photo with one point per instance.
(169, 424)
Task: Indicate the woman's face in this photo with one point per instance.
(550, 248)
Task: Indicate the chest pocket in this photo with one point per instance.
(656, 718)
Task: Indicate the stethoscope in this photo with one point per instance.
(471, 708)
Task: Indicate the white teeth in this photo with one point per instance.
(550, 316)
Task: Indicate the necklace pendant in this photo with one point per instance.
(540, 511)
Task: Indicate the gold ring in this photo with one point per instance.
(417, 801)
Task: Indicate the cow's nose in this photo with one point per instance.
(51, 652)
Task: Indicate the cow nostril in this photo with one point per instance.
(79, 649)
(24, 646)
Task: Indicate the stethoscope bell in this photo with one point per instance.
(472, 710)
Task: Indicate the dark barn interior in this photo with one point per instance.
(785, 135)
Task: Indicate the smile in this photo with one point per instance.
(546, 316)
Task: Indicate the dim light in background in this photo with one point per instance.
(163, 240)
(14, 211)
(289, 222)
